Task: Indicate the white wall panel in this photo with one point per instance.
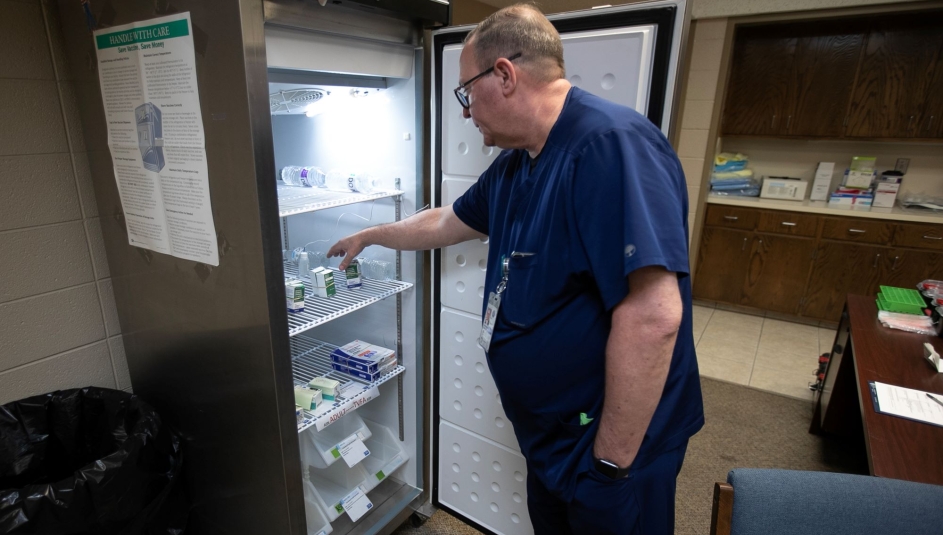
(589, 65)
(468, 396)
(463, 149)
(484, 480)
(463, 264)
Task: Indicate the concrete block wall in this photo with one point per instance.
(58, 320)
(700, 97)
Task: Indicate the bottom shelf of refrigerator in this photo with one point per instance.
(326, 486)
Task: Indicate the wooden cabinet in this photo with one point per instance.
(824, 73)
(777, 274)
(722, 264)
(810, 264)
(839, 269)
(862, 77)
(759, 81)
(906, 267)
(895, 76)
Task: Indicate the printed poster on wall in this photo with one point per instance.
(147, 72)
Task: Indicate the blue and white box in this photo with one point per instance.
(364, 357)
(370, 377)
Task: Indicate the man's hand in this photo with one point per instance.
(349, 248)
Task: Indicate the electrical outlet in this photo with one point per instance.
(902, 165)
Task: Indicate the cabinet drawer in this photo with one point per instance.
(731, 217)
(788, 223)
(922, 236)
(857, 230)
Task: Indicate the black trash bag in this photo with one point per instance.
(89, 461)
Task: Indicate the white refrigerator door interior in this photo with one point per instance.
(481, 470)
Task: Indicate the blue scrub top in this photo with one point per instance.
(607, 196)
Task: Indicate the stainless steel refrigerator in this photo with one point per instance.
(353, 87)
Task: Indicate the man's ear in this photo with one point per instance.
(508, 75)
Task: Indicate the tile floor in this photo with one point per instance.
(762, 352)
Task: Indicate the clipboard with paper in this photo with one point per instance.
(908, 403)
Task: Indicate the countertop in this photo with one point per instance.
(821, 207)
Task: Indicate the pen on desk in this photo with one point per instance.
(934, 398)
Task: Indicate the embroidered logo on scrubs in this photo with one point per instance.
(584, 420)
(629, 250)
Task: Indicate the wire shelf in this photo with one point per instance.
(294, 200)
(319, 310)
(311, 358)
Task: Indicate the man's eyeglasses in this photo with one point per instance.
(461, 92)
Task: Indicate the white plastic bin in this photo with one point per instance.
(317, 522)
(319, 448)
(386, 455)
(331, 484)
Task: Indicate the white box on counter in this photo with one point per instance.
(822, 182)
(787, 189)
(885, 193)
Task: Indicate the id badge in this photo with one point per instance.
(488, 321)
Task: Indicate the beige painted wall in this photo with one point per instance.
(58, 321)
(470, 11)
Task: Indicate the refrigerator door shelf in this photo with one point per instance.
(317, 522)
(331, 484)
(326, 442)
(320, 310)
(386, 455)
(311, 358)
(293, 200)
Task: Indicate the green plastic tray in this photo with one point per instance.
(901, 300)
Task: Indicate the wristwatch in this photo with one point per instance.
(610, 469)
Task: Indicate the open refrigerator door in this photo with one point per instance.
(627, 54)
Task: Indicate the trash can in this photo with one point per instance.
(89, 461)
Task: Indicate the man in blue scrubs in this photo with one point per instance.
(588, 324)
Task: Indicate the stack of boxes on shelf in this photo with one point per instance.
(731, 176)
(861, 188)
(362, 360)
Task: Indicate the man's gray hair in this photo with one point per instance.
(520, 28)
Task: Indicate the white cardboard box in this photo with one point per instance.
(823, 181)
(885, 194)
(783, 188)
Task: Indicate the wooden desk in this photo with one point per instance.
(897, 448)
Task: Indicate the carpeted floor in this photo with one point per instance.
(744, 427)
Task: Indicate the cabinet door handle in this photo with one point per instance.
(731, 217)
(877, 258)
(788, 121)
(929, 237)
(894, 267)
(744, 247)
(930, 123)
(846, 121)
(788, 224)
(910, 122)
(772, 122)
(856, 231)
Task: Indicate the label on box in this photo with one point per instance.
(353, 450)
(859, 179)
(356, 503)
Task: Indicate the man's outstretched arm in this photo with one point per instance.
(430, 229)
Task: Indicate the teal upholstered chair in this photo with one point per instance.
(783, 502)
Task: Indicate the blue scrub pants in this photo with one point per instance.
(641, 504)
